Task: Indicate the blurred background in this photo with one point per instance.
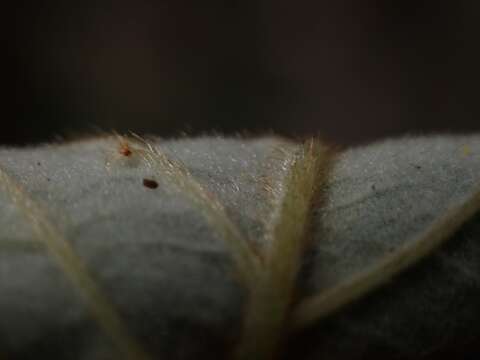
(352, 71)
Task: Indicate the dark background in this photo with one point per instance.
(352, 71)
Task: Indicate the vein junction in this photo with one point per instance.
(271, 275)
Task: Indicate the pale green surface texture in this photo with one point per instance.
(379, 198)
(172, 279)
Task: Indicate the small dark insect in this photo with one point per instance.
(149, 183)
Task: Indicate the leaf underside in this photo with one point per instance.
(247, 249)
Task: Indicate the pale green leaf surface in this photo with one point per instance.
(380, 198)
(172, 279)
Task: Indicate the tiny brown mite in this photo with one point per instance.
(125, 149)
(149, 183)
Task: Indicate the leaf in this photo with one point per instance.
(381, 200)
(173, 271)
